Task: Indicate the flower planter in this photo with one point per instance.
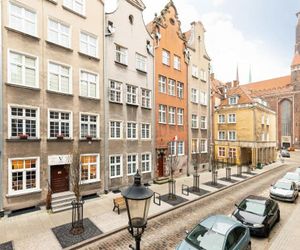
(88, 138)
(23, 137)
(60, 137)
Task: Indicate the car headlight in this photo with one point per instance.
(258, 225)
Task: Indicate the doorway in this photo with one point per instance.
(161, 164)
(60, 178)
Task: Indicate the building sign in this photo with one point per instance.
(59, 159)
(286, 139)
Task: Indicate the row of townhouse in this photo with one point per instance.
(103, 85)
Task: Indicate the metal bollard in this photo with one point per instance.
(228, 174)
(215, 178)
(239, 170)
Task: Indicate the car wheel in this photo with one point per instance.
(267, 231)
(278, 216)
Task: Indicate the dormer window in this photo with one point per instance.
(233, 100)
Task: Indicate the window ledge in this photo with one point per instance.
(22, 33)
(142, 71)
(115, 102)
(89, 98)
(53, 1)
(121, 64)
(59, 140)
(132, 104)
(74, 12)
(86, 140)
(22, 194)
(58, 93)
(22, 86)
(58, 45)
(146, 107)
(196, 77)
(115, 177)
(90, 182)
(203, 128)
(146, 140)
(204, 81)
(23, 140)
(162, 123)
(89, 56)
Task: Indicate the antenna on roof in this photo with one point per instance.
(237, 73)
(250, 74)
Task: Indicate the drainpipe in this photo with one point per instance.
(209, 122)
(1, 120)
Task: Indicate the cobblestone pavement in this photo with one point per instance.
(167, 230)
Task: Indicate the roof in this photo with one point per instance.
(219, 223)
(241, 92)
(138, 3)
(257, 199)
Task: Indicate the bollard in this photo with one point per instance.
(215, 178)
(239, 170)
(228, 173)
(196, 182)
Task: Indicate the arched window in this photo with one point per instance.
(286, 117)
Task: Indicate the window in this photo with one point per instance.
(221, 119)
(24, 175)
(171, 87)
(76, 5)
(89, 126)
(172, 115)
(115, 166)
(195, 72)
(146, 98)
(180, 90)
(194, 97)
(194, 121)
(231, 118)
(131, 130)
(23, 121)
(232, 153)
(203, 75)
(231, 135)
(59, 78)
(141, 62)
(203, 124)
(195, 146)
(59, 33)
(89, 84)
(262, 119)
(179, 116)
(132, 95)
(221, 135)
(60, 124)
(22, 69)
(146, 163)
(132, 163)
(221, 152)
(162, 113)
(145, 131)
(180, 148)
(115, 130)
(115, 91)
(232, 100)
(172, 148)
(121, 55)
(165, 57)
(263, 136)
(22, 19)
(267, 120)
(267, 136)
(162, 84)
(203, 98)
(88, 44)
(90, 168)
(203, 146)
(177, 62)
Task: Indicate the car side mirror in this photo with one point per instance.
(186, 232)
(236, 205)
(272, 185)
(271, 214)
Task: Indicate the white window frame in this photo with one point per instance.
(121, 52)
(203, 122)
(136, 162)
(89, 165)
(194, 95)
(121, 130)
(60, 23)
(180, 90)
(115, 91)
(205, 146)
(132, 130)
(166, 57)
(132, 93)
(146, 161)
(37, 118)
(180, 152)
(232, 118)
(194, 121)
(145, 129)
(24, 55)
(88, 43)
(121, 166)
(60, 76)
(89, 123)
(220, 137)
(221, 119)
(197, 145)
(172, 148)
(22, 17)
(232, 100)
(97, 83)
(180, 116)
(71, 7)
(232, 151)
(263, 119)
(37, 176)
(162, 114)
(203, 98)
(229, 137)
(195, 71)
(140, 62)
(219, 155)
(172, 87)
(59, 120)
(162, 85)
(146, 96)
(172, 115)
(177, 62)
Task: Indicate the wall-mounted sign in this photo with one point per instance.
(59, 159)
(286, 139)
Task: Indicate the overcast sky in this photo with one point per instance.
(249, 33)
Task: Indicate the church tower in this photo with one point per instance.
(295, 67)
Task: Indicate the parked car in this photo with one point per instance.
(217, 232)
(285, 153)
(258, 213)
(292, 176)
(284, 190)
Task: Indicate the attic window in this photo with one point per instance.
(172, 21)
(233, 100)
(131, 19)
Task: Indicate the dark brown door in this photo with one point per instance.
(161, 165)
(59, 178)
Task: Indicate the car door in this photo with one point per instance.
(237, 239)
(272, 212)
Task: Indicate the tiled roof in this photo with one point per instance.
(241, 92)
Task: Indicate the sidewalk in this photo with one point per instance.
(33, 230)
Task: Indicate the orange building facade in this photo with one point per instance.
(171, 92)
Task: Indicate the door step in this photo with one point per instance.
(161, 180)
(62, 201)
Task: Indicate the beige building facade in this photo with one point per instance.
(52, 98)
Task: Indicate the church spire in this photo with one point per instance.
(237, 73)
(250, 74)
(297, 46)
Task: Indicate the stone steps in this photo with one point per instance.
(62, 201)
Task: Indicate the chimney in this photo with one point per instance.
(212, 76)
(235, 83)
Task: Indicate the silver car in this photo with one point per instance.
(284, 190)
(292, 176)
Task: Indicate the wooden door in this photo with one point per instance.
(161, 165)
(59, 178)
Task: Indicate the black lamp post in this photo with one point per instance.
(137, 198)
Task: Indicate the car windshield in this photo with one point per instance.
(283, 185)
(252, 207)
(292, 176)
(204, 238)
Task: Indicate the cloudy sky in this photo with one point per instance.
(256, 34)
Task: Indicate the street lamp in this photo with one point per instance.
(137, 198)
